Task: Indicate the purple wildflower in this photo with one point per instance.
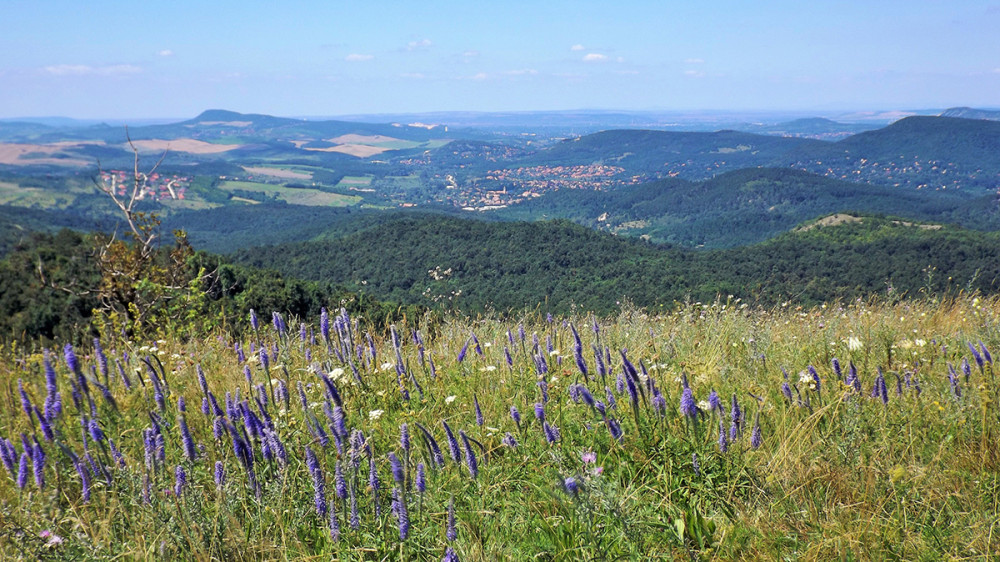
(540, 411)
(38, 463)
(397, 468)
(509, 440)
(463, 351)
(319, 482)
(220, 475)
(470, 456)
(755, 437)
(334, 523)
(516, 416)
(25, 401)
(735, 414)
(551, 432)
(479, 411)
(572, 486)
(84, 473)
(450, 555)
(976, 355)
(615, 429)
(339, 483)
(421, 478)
(71, 361)
(451, 533)
(404, 437)
(180, 481)
(452, 442)
(688, 406)
(22, 471)
(723, 442)
(399, 510)
(714, 402)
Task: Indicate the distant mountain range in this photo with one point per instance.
(971, 113)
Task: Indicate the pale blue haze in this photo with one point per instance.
(104, 59)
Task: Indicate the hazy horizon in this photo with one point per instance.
(382, 58)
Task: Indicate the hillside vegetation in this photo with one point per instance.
(746, 206)
(512, 266)
(712, 431)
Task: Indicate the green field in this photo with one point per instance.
(13, 194)
(294, 196)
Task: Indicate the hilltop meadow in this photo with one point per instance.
(859, 430)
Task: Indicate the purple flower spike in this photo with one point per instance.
(397, 468)
(22, 471)
(220, 475)
(572, 486)
(71, 361)
(421, 478)
(688, 406)
(399, 509)
(180, 481)
(451, 533)
(723, 442)
(755, 437)
(479, 411)
(470, 456)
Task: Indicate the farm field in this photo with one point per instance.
(294, 196)
(865, 430)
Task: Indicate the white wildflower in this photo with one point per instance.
(375, 414)
(449, 399)
(853, 343)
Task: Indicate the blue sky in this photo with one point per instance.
(103, 59)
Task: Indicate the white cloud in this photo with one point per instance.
(694, 73)
(165, 53)
(420, 45)
(481, 76)
(594, 57)
(470, 54)
(87, 70)
(577, 47)
(357, 57)
(522, 72)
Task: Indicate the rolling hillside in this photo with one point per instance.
(475, 265)
(745, 206)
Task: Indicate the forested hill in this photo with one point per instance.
(746, 206)
(917, 152)
(920, 152)
(694, 155)
(509, 266)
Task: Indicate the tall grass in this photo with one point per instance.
(832, 472)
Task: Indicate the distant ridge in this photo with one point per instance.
(972, 113)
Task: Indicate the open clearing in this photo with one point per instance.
(279, 173)
(13, 194)
(34, 154)
(294, 196)
(184, 145)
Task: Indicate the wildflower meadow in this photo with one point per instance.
(865, 430)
